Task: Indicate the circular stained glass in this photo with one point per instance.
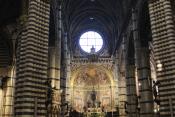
(91, 41)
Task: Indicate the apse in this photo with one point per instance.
(92, 88)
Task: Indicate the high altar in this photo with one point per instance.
(93, 90)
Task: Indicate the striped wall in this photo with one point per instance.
(32, 59)
(163, 30)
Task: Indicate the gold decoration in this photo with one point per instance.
(92, 73)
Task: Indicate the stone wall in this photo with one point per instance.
(163, 33)
(32, 61)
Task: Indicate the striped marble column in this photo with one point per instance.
(64, 68)
(163, 33)
(8, 106)
(8, 98)
(116, 82)
(55, 60)
(143, 72)
(131, 91)
(54, 76)
(7, 76)
(131, 103)
(66, 74)
(68, 98)
(122, 82)
(122, 95)
(58, 33)
(32, 59)
(145, 88)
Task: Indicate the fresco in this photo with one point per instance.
(91, 77)
(92, 89)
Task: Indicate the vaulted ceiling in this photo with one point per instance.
(103, 16)
(9, 12)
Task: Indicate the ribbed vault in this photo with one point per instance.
(102, 16)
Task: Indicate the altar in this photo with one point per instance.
(94, 112)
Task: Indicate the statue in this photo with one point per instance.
(155, 91)
(93, 97)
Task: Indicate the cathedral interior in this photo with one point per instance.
(87, 58)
